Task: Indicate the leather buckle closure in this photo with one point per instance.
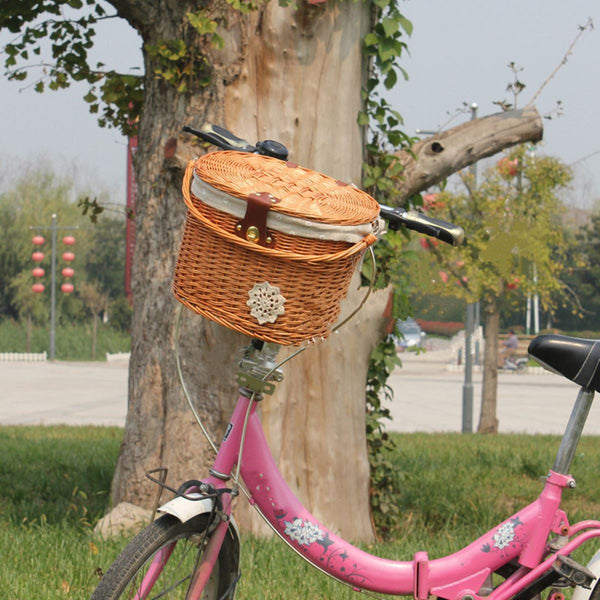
(253, 227)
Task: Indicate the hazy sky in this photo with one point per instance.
(459, 53)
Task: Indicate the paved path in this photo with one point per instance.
(427, 397)
(75, 393)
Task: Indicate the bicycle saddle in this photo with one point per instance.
(576, 359)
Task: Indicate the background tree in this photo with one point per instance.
(513, 220)
(29, 305)
(580, 308)
(264, 71)
(97, 303)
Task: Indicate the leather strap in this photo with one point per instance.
(253, 227)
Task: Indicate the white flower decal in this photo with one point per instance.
(505, 535)
(303, 532)
(266, 302)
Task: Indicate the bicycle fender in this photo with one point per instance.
(185, 509)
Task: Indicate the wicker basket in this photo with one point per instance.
(269, 247)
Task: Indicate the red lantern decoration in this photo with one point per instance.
(38, 288)
(68, 256)
(38, 272)
(67, 288)
(38, 240)
(68, 272)
(68, 240)
(37, 256)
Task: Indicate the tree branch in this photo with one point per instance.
(433, 159)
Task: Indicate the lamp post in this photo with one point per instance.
(467, 400)
(53, 229)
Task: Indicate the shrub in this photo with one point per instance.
(444, 328)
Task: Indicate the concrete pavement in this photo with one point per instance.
(49, 393)
(427, 396)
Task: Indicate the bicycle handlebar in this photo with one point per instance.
(411, 219)
(397, 217)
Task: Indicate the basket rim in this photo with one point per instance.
(366, 241)
(283, 222)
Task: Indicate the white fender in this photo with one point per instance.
(184, 509)
(580, 593)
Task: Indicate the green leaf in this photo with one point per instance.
(405, 24)
(363, 119)
(390, 26)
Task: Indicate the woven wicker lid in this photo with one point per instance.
(302, 192)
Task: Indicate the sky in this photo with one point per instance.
(458, 54)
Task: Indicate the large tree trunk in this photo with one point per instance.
(294, 76)
(488, 421)
(291, 74)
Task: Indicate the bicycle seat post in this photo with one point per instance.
(573, 431)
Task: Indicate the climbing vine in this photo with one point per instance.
(382, 173)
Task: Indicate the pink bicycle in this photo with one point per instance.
(192, 550)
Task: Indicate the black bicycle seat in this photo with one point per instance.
(576, 359)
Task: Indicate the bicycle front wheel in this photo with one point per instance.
(184, 544)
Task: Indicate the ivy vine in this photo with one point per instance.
(382, 173)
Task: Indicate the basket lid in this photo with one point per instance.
(302, 193)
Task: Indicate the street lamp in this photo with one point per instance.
(53, 228)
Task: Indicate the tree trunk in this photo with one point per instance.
(488, 421)
(94, 334)
(276, 79)
(294, 75)
(29, 325)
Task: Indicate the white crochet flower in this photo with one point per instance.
(266, 302)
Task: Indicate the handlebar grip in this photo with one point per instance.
(441, 230)
(221, 137)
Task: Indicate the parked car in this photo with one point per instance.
(409, 334)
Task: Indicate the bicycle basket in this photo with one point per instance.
(269, 247)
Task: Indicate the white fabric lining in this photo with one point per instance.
(236, 207)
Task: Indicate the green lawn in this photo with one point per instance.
(55, 481)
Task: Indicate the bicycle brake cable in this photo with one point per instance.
(184, 387)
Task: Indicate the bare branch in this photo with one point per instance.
(582, 28)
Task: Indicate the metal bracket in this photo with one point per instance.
(254, 384)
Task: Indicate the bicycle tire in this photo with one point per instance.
(122, 578)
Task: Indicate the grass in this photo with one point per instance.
(73, 341)
(55, 481)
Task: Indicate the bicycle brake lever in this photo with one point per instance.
(221, 137)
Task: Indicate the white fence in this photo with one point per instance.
(23, 356)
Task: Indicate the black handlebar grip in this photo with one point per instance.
(441, 230)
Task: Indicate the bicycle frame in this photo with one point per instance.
(522, 537)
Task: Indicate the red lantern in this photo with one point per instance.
(68, 272)
(68, 240)
(38, 272)
(38, 288)
(67, 288)
(68, 256)
(38, 256)
(38, 240)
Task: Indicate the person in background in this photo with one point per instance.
(510, 347)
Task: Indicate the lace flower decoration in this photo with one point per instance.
(266, 302)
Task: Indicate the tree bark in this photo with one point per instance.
(488, 421)
(288, 74)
